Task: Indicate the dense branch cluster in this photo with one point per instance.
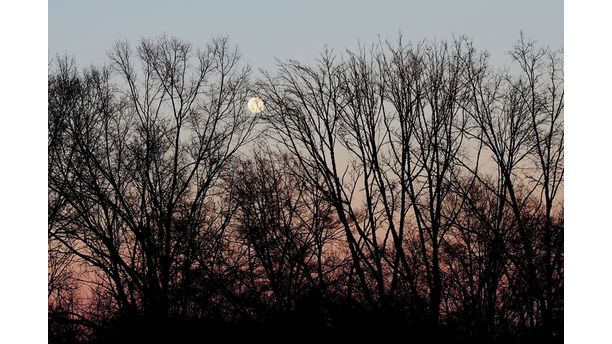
(401, 192)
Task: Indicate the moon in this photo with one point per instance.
(256, 105)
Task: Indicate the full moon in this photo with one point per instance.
(255, 105)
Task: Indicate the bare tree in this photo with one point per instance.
(519, 120)
(141, 161)
(289, 231)
(304, 109)
(398, 120)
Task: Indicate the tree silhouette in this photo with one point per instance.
(400, 192)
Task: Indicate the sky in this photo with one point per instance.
(264, 30)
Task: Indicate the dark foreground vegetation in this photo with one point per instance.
(403, 193)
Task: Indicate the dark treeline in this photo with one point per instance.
(403, 192)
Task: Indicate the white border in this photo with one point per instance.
(588, 128)
(23, 167)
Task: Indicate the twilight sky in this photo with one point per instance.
(298, 29)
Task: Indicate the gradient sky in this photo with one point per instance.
(298, 29)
